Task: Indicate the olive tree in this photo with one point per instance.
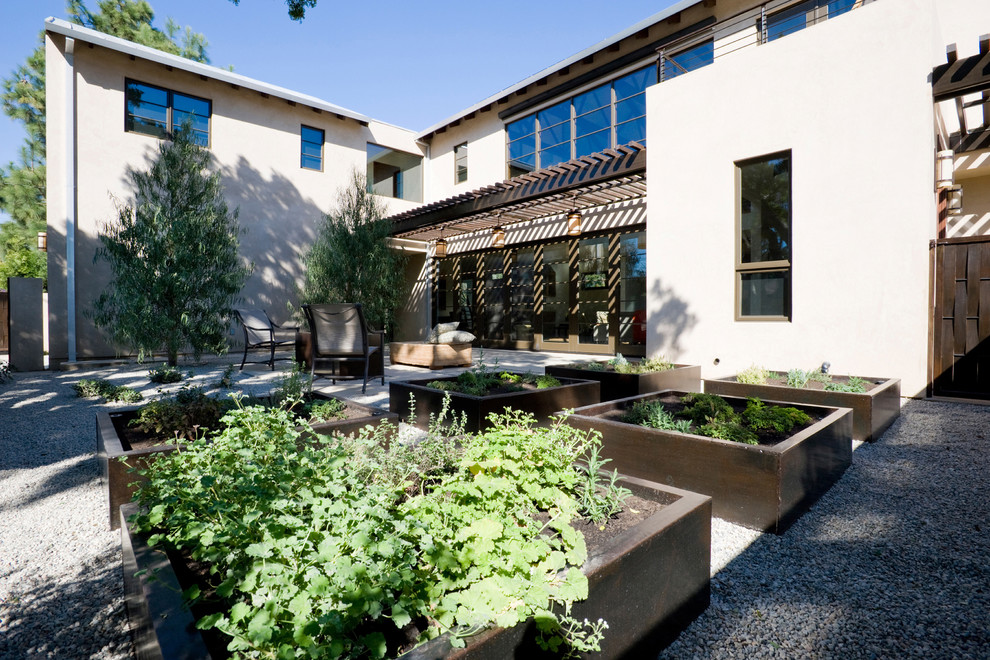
(173, 255)
(351, 261)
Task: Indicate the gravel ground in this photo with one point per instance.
(893, 562)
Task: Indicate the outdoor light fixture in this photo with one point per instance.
(43, 241)
(498, 237)
(954, 199)
(944, 169)
(440, 248)
(574, 223)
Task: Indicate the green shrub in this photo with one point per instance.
(703, 408)
(89, 387)
(797, 378)
(653, 415)
(186, 415)
(544, 381)
(819, 376)
(855, 385)
(654, 364)
(164, 374)
(754, 375)
(443, 385)
(725, 429)
(759, 415)
(325, 411)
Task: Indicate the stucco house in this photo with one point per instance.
(726, 183)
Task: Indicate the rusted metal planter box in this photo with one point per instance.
(649, 582)
(873, 411)
(571, 393)
(112, 451)
(764, 488)
(683, 377)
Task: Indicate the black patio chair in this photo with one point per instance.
(339, 334)
(261, 332)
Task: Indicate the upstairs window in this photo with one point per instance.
(461, 163)
(394, 173)
(763, 256)
(800, 16)
(159, 112)
(311, 149)
(689, 59)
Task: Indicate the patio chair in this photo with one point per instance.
(261, 332)
(340, 334)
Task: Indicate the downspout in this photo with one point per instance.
(430, 261)
(71, 202)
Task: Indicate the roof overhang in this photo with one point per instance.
(606, 177)
(90, 36)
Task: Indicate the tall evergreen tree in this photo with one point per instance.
(173, 255)
(22, 185)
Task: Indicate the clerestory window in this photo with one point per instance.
(157, 111)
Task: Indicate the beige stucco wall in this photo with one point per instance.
(850, 99)
(255, 142)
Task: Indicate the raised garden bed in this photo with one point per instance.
(873, 411)
(571, 393)
(116, 442)
(649, 582)
(616, 385)
(758, 486)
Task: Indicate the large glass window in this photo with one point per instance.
(494, 296)
(394, 173)
(608, 115)
(159, 112)
(311, 151)
(632, 289)
(800, 16)
(763, 262)
(593, 291)
(521, 294)
(688, 59)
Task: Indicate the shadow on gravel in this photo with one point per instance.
(894, 561)
(81, 617)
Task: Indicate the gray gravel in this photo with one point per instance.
(894, 562)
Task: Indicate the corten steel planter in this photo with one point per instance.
(649, 582)
(571, 393)
(873, 411)
(112, 450)
(376, 367)
(684, 377)
(761, 487)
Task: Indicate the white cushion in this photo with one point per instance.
(455, 337)
(439, 329)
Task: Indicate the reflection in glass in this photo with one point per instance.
(632, 289)
(494, 296)
(765, 211)
(556, 293)
(765, 294)
(689, 60)
(311, 156)
(593, 291)
(521, 295)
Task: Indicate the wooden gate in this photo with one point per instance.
(961, 328)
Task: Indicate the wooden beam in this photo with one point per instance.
(959, 77)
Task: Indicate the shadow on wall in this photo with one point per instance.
(667, 320)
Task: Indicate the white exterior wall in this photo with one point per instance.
(851, 100)
(485, 137)
(255, 142)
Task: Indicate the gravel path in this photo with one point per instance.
(893, 562)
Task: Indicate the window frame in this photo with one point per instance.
(169, 129)
(303, 141)
(460, 163)
(760, 267)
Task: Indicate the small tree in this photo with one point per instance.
(20, 260)
(176, 273)
(351, 261)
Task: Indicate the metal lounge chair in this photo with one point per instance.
(340, 334)
(261, 332)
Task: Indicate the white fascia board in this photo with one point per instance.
(73, 31)
(602, 45)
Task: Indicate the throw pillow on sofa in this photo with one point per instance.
(455, 337)
(439, 329)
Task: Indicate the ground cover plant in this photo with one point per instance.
(323, 546)
(91, 387)
(483, 380)
(165, 374)
(712, 416)
(799, 378)
(621, 365)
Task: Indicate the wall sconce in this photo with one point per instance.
(43, 241)
(944, 169)
(498, 237)
(440, 248)
(574, 223)
(954, 199)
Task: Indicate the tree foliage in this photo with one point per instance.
(173, 255)
(20, 261)
(351, 261)
(22, 185)
(297, 8)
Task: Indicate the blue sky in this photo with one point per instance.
(407, 63)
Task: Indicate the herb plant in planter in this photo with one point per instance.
(483, 390)
(876, 402)
(332, 547)
(763, 464)
(621, 378)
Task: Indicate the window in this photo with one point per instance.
(311, 149)
(460, 163)
(159, 112)
(594, 120)
(800, 16)
(393, 173)
(763, 259)
(688, 59)
(632, 288)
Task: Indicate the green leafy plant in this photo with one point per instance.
(819, 376)
(598, 499)
(90, 387)
(703, 408)
(798, 378)
(759, 415)
(325, 411)
(728, 429)
(544, 381)
(754, 375)
(187, 414)
(292, 388)
(482, 379)
(226, 379)
(653, 415)
(164, 374)
(854, 385)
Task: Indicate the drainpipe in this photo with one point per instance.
(430, 261)
(70, 190)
